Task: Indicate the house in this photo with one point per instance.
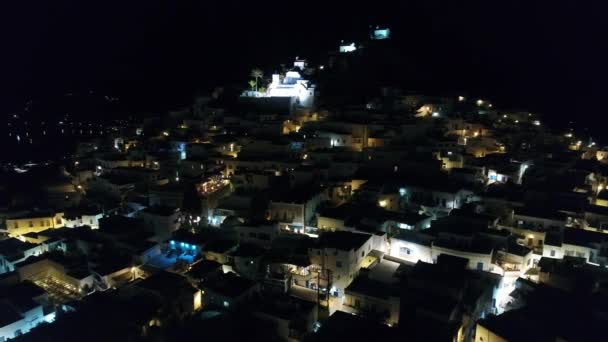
(76, 278)
(219, 250)
(412, 246)
(77, 217)
(13, 251)
(340, 255)
(246, 260)
(33, 222)
(228, 291)
(375, 293)
(203, 270)
(441, 301)
(345, 326)
(292, 318)
(573, 242)
(448, 236)
(295, 208)
(176, 292)
(292, 86)
(235, 205)
(162, 220)
(258, 233)
(545, 319)
(23, 307)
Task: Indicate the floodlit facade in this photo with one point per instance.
(34, 222)
(294, 86)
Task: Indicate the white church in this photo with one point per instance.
(292, 85)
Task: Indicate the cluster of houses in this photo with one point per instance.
(416, 217)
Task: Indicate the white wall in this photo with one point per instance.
(32, 318)
(417, 252)
(349, 261)
(474, 258)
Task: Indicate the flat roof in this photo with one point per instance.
(343, 240)
(229, 284)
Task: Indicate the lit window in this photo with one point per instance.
(226, 304)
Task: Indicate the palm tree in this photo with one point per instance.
(252, 84)
(256, 73)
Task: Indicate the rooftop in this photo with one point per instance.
(342, 326)
(167, 284)
(229, 284)
(343, 240)
(285, 307)
(372, 288)
(13, 249)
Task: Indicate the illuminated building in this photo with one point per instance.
(340, 255)
(380, 33)
(346, 48)
(22, 310)
(293, 86)
(34, 222)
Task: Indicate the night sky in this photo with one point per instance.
(549, 57)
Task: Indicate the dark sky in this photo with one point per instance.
(549, 56)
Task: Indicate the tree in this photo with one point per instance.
(256, 73)
(252, 84)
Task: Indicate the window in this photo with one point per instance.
(404, 251)
(552, 252)
(530, 241)
(528, 263)
(580, 255)
(540, 243)
(226, 304)
(318, 252)
(16, 225)
(31, 223)
(362, 254)
(339, 264)
(42, 223)
(480, 266)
